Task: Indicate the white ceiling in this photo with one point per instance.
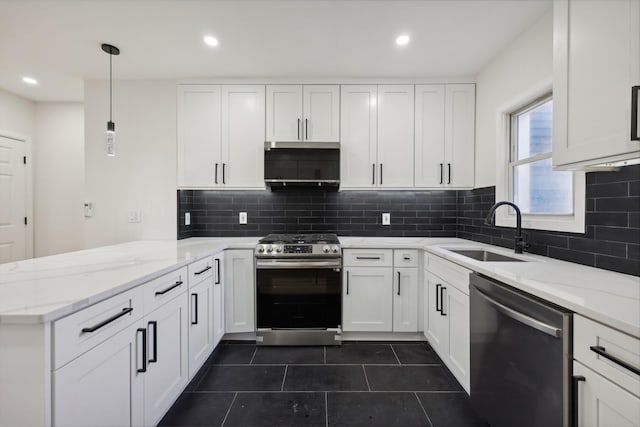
(58, 42)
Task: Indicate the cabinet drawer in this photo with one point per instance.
(587, 334)
(368, 258)
(405, 257)
(200, 271)
(446, 270)
(81, 331)
(164, 289)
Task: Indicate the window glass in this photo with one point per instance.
(535, 128)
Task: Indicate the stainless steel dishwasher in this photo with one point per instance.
(520, 357)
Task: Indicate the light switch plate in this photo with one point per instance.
(88, 210)
(134, 215)
(386, 219)
(187, 218)
(242, 217)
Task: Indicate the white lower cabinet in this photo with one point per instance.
(602, 403)
(366, 299)
(239, 291)
(405, 299)
(200, 324)
(218, 299)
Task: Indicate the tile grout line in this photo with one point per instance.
(325, 354)
(394, 353)
(326, 409)
(229, 410)
(284, 377)
(365, 377)
(423, 410)
(253, 356)
(329, 391)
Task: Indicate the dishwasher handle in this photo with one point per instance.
(522, 318)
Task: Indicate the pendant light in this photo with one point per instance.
(111, 127)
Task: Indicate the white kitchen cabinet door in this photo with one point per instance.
(218, 298)
(405, 299)
(103, 387)
(284, 113)
(437, 329)
(199, 139)
(602, 403)
(367, 304)
(395, 136)
(243, 128)
(167, 368)
(459, 135)
(430, 130)
(359, 136)
(456, 310)
(239, 291)
(321, 113)
(200, 324)
(596, 64)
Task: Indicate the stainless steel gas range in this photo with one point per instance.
(298, 289)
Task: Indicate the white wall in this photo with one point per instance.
(525, 64)
(17, 115)
(58, 178)
(142, 175)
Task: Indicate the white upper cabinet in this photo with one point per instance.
(199, 143)
(303, 113)
(445, 135)
(596, 65)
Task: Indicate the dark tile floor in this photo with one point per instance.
(358, 384)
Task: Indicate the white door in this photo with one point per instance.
(13, 210)
(103, 386)
(367, 303)
(284, 113)
(243, 135)
(602, 403)
(459, 135)
(200, 324)
(405, 300)
(239, 291)
(437, 330)
(359, 136)
(456, 308)
(395, 135)
(321, 113)
(199, 150)
(430, 121)
(167, 369)
(218, 299)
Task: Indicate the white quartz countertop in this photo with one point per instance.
(44, 289)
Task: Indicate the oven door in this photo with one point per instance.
(298, 294)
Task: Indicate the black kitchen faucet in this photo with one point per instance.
(520, 244)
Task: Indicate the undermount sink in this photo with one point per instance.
(481, 255)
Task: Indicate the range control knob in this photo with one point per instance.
(335, 249)
(278, 249)
(326, 249)
(269, 248)
(261, 249)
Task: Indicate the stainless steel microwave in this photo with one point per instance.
(307, 164)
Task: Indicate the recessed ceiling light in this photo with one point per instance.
(402, 40)
(210, 41)
(29, 80)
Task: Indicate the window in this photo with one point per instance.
(534, 186)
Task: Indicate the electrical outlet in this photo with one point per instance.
(88, 210)
(187, 218)
(242, 217)
(386, 219)
(134, 215)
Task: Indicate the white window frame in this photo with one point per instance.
(506, 217)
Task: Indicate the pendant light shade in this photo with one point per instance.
(111, 126)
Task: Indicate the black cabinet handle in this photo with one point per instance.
(406, 258)
(373, 173)
(154, 359)
(170, 288)
(298, 129)
(380, 173)
(368, 257)
(441, 173)
(603, 352)
(216, 181)
(223, 178)
(105, 322)
(194, 309)
(634, 113)
(306, 129)
(448, 169)
(144, 349)
(347, 282)
(442, 289)
(398, 283)
(438, 308)
(217, 282)
(576, 399)
(207, 268)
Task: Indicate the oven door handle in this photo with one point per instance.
(284, 264)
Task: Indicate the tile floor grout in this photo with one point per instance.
(253, 356)
(326, 409)
(365, 377)
(284, 377)
(322, 391)
(394, 353)
(423, 410)
(229, 409)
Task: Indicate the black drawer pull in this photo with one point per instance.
(178, 283)
(347, 283)
(634, 113)
(144, 350)
(154, 359)
(109, 320)
(194, 309)
(368, 257)
(438, 308)
(217, 282)
(207, 268)
(406, 258)
(603, 352)
(442, 289)
(398, 283)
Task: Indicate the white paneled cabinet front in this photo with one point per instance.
(239, 291)
(218, 298)
(303, 113)
(366, 299)
(405, 299)
(596, 67)
(200, 324)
